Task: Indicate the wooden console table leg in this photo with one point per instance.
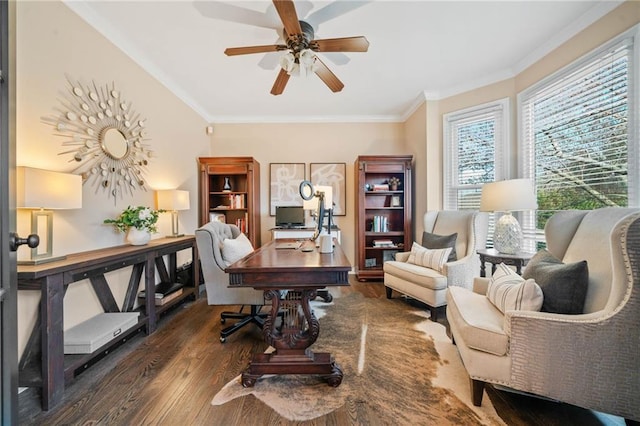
(150, 289)
(52, 338)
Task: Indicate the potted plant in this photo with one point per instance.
(393, 183)
(137, 222)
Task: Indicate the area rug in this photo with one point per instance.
(395, 360)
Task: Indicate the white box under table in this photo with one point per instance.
(93, 333)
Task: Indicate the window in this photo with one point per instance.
(577, 142)
(475, 152)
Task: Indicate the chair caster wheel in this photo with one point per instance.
(223, 339)
(328, 298)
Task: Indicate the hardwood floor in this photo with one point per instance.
(171, 376)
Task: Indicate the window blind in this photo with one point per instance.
(474, 152)
(576, 140)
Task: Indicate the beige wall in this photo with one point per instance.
(614, 23)
(309, 143)
(52, 42)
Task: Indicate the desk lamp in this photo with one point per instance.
(508, 196)
(173, 200)
(38, 190)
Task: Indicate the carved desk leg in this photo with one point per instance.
(291, 339)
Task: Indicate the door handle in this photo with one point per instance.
(15, 241)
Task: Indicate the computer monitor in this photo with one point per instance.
(289, 216)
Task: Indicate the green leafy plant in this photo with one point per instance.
(138, 217)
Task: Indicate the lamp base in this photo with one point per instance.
(41, 260)
(507, 237)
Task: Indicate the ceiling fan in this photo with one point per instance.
(301, 45)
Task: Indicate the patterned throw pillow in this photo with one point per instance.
(435, 241)
(508, 291)
(235, 249)
(432, 259)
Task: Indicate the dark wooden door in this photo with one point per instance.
(8, 283)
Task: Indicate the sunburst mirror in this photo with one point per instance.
(107, 138)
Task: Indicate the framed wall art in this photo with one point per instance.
(284, 184)
(335, 176)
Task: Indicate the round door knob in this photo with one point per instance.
(15, 241)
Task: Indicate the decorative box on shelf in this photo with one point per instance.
(93, 333)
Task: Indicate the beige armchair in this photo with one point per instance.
(590, 359)
(428, 285)
(210, 241)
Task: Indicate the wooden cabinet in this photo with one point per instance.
(383, 219)
(230, 191)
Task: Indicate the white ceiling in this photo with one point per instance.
(417, 49)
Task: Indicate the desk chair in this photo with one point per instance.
(210, 241)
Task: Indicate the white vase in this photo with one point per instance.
(138, 237)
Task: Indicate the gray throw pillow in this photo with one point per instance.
(564, 285)
(434, 241)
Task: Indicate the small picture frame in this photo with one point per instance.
(370, 263)
(219, 217)
(395, 201)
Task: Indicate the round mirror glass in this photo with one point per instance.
(114, 144)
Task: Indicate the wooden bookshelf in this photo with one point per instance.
(383, 212)
(237, 205)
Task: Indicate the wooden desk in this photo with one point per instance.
(493, 256)
(302, 273)
(43, 363)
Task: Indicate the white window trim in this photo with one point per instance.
(633, 118)
(502, 146)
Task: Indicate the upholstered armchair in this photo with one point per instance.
(430, 285)
(219, 245)
(588, 359)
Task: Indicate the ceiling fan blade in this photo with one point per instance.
(280, 83)
(246, 50)
(344, 44)
(241, 15)
(287, 12)
(327, 76)
(333, 10)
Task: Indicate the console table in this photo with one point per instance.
(43, 363)
(302, 272)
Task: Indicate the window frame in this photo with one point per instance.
(450, 147)
(525, 149)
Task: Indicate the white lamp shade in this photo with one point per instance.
(173, 199)
(37, 188)
(507, 196)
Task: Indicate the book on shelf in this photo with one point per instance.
(164, 299)
(380, 224)
(380, 187)
(383, 243)
(163, 289)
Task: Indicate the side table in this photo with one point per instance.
(494, 257)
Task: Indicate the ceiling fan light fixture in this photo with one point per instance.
(301, 64)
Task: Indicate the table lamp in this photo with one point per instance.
(38, 190)
(508, 196)
(173, 200)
